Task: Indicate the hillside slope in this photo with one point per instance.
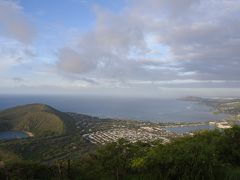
(40, 119)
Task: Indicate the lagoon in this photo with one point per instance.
(9, 135)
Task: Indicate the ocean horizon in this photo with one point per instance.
(145, 109)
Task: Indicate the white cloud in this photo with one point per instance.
(14, 23)
(13, 53)
(156, 43)
(16, 36)
(74, 62)
(202, 42)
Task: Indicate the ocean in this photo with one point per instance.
(145, 109)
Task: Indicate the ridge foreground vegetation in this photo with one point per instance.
(206, 155)
(59, 151)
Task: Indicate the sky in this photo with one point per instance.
(157, 48)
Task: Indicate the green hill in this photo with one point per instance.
(39, 119)
(207, 155)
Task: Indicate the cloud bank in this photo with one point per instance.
(145, 47)
(159, 40)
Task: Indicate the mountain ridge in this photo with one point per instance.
(39, 119)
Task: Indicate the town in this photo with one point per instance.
(144, 134)
(101, 131)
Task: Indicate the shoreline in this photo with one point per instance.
(30, 134)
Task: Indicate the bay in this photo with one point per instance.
(9, 135)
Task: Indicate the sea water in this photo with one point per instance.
(146, 109)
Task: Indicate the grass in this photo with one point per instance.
(40, 119)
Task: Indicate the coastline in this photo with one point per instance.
(30, 134)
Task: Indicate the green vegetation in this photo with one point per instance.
(8, 156)
(206, 155)
(59, 151)
(47, 149)
(39, 119)
(232, 108)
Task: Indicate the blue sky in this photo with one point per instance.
(67, 13)
(120, 47)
